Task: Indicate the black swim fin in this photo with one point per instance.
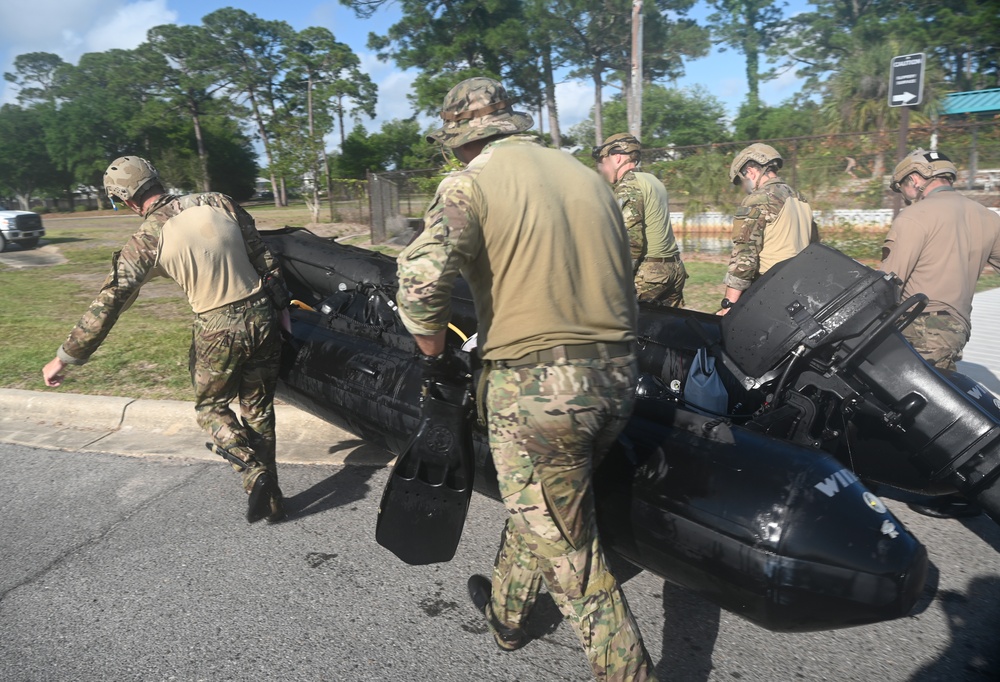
(426, 499)
(228, 456)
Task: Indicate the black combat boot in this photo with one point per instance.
(508, 639)
(259, 502)
(276, 512)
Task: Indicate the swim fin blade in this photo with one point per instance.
(426, 499)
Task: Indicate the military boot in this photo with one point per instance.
(264, 489)
(507, 638)
(276, 506)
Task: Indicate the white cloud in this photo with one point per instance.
(393, 95)
(70, 28)
(731, 88)
(781, 88)
(574, 101)
(127, 27)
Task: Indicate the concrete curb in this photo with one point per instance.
(164, 428)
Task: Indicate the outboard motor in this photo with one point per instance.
(820, 335)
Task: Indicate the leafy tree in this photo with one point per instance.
(450, 40)
(857, 97)
(360, 153)
(333, 70)
(329, 73)
(25, 166)
(251, 55)
(672, 116)
(38, 76)
(182, 57)
(232, 163)
(232, 160)
(399, 145)
(961, 35)
(749, 27)
(700, 178)
(403, 147)
(793, 118)
(101, 99)
(596, 37)
(538, 39)
(815, 43)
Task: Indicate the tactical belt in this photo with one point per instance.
(667, 259)
(241, 305)
(586, 351)
(938, 312)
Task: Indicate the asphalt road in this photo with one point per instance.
(121, 568)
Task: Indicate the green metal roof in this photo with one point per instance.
(973, 102)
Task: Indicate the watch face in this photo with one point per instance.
(726, 303)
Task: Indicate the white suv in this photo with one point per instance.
(20, 227)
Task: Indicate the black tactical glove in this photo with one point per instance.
(276, 290)
(442, 368)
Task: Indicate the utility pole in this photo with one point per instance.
(635, 96)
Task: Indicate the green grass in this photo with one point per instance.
(704, 288)
(988, 281)
(146, 353)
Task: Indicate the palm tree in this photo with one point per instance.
(857, 97)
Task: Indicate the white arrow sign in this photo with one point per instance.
(906, 80)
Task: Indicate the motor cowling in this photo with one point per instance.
(830, 327)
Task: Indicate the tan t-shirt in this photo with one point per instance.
(939, 247)
(202, 249)
(539, 238)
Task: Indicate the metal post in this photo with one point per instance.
(973, 159)
(904, 129)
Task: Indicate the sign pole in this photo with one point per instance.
(906, 90)
(904, 130)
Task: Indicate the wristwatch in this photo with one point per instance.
(726, 303)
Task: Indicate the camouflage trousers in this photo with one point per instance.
(549, 426)
(938, 338)
(235, 352)
(661, 283)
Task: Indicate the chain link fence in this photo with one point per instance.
(844, 176)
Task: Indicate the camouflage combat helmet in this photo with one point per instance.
(619, 143)
(759, 152)
(477, 108)
(128, 176)
(927, 164)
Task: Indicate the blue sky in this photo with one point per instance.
(70, 28)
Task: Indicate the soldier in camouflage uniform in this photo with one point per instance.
(773, 223)
(656, 260)
(541, 242)
(209, 245)
(939, 246)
